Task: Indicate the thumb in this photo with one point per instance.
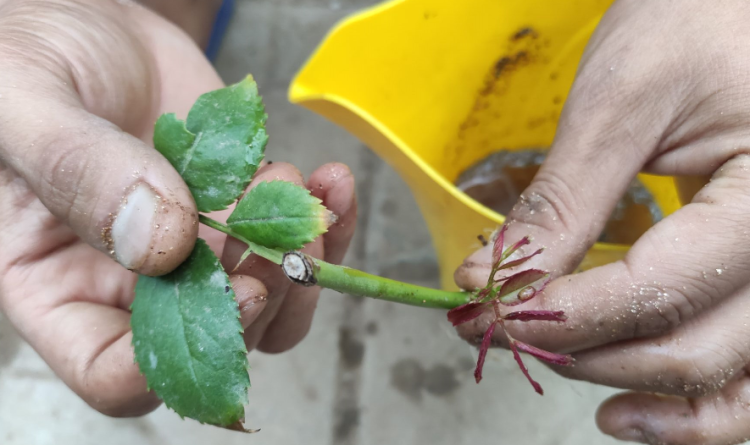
(604, 137)
(117, 194)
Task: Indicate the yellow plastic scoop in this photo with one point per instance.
(433, 86)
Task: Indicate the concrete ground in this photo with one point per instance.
(369, 372)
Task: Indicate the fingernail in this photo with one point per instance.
(631, 434)
(132, 230)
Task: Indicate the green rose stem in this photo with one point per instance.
(308, 271)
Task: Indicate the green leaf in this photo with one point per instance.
(188, 340)
(280, 215)
(220, 146)
(274, 256)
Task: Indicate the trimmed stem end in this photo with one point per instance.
(298, 268)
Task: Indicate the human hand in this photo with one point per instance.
(81, 85)
(662, 88)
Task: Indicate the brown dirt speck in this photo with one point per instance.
(524, 32)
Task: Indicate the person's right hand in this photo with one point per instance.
(663, 87)
(81, 85)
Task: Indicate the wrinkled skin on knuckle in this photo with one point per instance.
(728, 188)
(548, 204)
(657, 310)
(701, 371)
(66, 180)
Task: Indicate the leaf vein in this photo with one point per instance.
(189, 153)
(276, 218)
(191, 367)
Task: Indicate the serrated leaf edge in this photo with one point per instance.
(242, 353)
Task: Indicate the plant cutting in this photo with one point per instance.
(186, 331)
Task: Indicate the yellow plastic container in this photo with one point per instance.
(433, 86)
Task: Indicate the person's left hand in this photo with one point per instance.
(81, 84)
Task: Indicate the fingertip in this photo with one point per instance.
(614, 415)
(278, 171)
(251, 295)
(645, 418)
(472, 273)
(334, 185)
(329, 176)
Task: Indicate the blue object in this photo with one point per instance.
(220, 28)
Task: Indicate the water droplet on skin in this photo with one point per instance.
(526, 293)
(719, 271)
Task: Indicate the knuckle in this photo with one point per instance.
(728, 186)
(703, 370)
(662, 306)
(665, 317)
(662, 310)
(63, 166)
(548, 204)
(674, 307)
